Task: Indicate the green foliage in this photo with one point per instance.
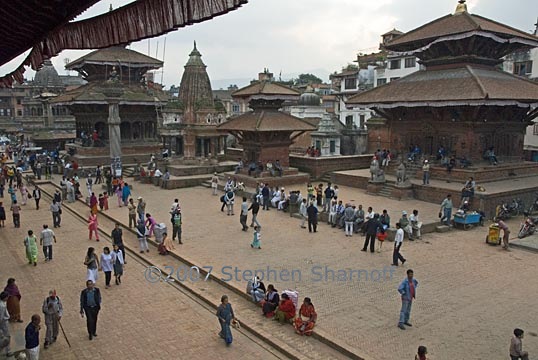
(307, 79)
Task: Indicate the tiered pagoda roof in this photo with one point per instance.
(46, 26)
(267, 90)
(461, 52)
(266, 98)
(92, 93)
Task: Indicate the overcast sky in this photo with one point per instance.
(297, 36)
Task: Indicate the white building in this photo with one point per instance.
(373, 70)
(525, 63)
(347, 83)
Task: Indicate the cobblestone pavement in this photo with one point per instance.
(470, 298)
(136, 321)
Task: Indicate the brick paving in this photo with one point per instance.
(470, 298)
(137, 321)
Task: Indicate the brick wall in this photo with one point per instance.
(349, 180)
(318, 166)
(125, 149)
(487, 173)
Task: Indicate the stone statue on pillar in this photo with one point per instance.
(376, 173)
(401, 176)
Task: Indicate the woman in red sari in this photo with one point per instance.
(13, 301)
(305, 321)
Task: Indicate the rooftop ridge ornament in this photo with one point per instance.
(461, 8)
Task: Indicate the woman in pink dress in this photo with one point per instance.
(119, 194)
(150, 224)
(92, 226)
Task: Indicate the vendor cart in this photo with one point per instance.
(494, 235)
(467, 220)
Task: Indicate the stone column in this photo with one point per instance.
(113, 91)
(114, 128)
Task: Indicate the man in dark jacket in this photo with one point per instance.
(371, 228)
(90, 304)
(312, 212)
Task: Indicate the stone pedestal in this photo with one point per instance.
(374, 187)
(402, 191)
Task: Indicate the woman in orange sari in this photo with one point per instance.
(93, 203)
(305, 321)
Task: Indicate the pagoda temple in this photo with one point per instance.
(190, 124)
(462, 100)
(116, 75)
(265, 133)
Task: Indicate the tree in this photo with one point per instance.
(306, 79)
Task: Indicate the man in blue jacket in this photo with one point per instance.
(408, 290)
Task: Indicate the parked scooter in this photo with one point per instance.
(528, 227)
(512, 209)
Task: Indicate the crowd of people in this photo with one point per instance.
(110, 261)
(281, 307)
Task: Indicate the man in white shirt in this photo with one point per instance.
(332, 213)
(398, 240)
(302, 211)
(158, 173)
(47, 236)
(416, 224)
(282, 202)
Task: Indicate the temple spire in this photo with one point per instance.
(461, 8)
(536, 27)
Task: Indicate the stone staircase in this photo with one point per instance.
(326, 178)
(386, 191)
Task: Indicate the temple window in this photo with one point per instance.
(395, 64)
(523, 68)
(235, 108)
(410, 62)
(350, 84)
(349, 121)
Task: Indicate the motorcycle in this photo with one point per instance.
(512, 209)
(528, 227)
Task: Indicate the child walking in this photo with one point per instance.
(256, 242)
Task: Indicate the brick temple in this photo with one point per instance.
(139, 102)
(461, 100)
(265, 133)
